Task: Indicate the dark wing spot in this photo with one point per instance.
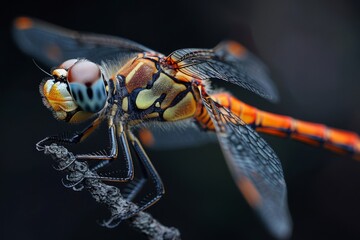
(89, 92)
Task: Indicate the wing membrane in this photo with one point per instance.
(228, 61)
(52, 45)
(255, 168)
(187, 135)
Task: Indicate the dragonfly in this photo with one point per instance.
(100, 78)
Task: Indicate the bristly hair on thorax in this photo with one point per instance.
(111, 67)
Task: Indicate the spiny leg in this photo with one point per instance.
(76, 138)
(149, 173)
(121, 135)
(112, 155)
(82, 135)
(134, 187)
(71, 181)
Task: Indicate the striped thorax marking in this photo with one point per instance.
(153, 93)
(163, 85)
(183, 109)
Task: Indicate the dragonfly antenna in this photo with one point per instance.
(37, 65)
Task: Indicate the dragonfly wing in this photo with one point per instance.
(255, 168)
(237, 55)
(228, 61)
(187, 135)
(52, 44)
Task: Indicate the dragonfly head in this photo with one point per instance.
(76, 90)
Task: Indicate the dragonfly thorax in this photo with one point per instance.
(153, 94)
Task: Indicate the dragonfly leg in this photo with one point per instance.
(76, 138)
(117, 137)
(123, 142)
(133, 188)
(150, 174)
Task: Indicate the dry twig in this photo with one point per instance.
(80, 177)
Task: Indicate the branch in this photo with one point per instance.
(80, 177)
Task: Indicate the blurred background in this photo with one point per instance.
(312, 50)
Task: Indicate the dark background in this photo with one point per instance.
(312, 49)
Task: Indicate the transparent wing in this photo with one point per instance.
(52, 45)
(228, 61)
(255, 168)
(162, 138)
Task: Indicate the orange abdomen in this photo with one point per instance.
(311, 133)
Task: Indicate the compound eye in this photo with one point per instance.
(84, 72)
(67, 64)
(87, 86)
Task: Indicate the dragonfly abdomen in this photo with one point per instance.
(315, 134)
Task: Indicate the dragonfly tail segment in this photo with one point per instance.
(336, 140)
